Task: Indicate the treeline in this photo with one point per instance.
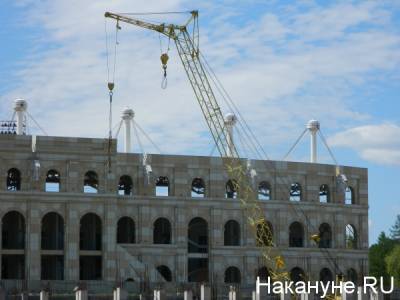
(384, 256)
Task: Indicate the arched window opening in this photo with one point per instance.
(231, 189)
(352, 276)
(52, 181)
(324, 196)
(351, 237)
(232, 275)
(125, 186)
(52, 267)
(125, 231)
(165, 272)
(13, 231)
(162, 186)
(91, 183)
(90, 267)
(162, 231)
(232, 233)
(12, 266)
(52, 232)
(265, 234)
(349, 195)
(90, 232)
(198, 188)
(297, 274)
(13, 180)
(264, 191)
(296, 235)
(198, 236)
(325, 275)
(325, 236)
(263, 273)
(295, 192)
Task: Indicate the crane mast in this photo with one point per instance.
(188, 49)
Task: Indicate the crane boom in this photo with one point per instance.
(187, 47)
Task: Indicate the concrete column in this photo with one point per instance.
(188, 295)
(120, 294)
(81, 294)
(44, 295)
(24, 296)
(285, 296)
(232, 293)
(205, 292)
(159, 295)
(255, 296)
(306, 297)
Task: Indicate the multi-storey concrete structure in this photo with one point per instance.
(77, 210)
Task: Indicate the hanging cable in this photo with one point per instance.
(135, 131)
(37, 124)
(295, 144)
(147, 136)
(111, 85)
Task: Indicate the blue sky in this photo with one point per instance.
(283, 63)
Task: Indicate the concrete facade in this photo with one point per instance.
(73, 157)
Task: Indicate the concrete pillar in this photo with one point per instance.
(44, 295)
(24, 296)
(232, 293)
(255, 296)
(362, 296)
(205, 292)
(188, 295)
(81, 294)
(374, 296)
(306, 297)
(159, 295)
(285, 296)
(120, 294)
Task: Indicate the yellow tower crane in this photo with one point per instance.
(187, 45)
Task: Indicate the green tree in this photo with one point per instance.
(377, 254)
(395, 230)
(393, 264)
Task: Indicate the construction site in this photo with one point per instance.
(78, 213)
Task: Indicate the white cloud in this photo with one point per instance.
(376, 143)
(281, 69)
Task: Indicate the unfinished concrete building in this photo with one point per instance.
(73, 209)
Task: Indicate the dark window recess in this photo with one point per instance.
(52, 232)
(198, 270)
(12, 266)
(90, 267)
(90, 232)
(126, 231)
(13, 231)
(198, 236)
(198, 188)
(162, 231)
(13, 180)
(52, 181)
(125, 186)
(231, 189)
(232, 275)
(162, 186)
(296, 235)
(232, 233)
(52, 267)
(91, 183)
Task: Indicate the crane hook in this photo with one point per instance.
(164, 60)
